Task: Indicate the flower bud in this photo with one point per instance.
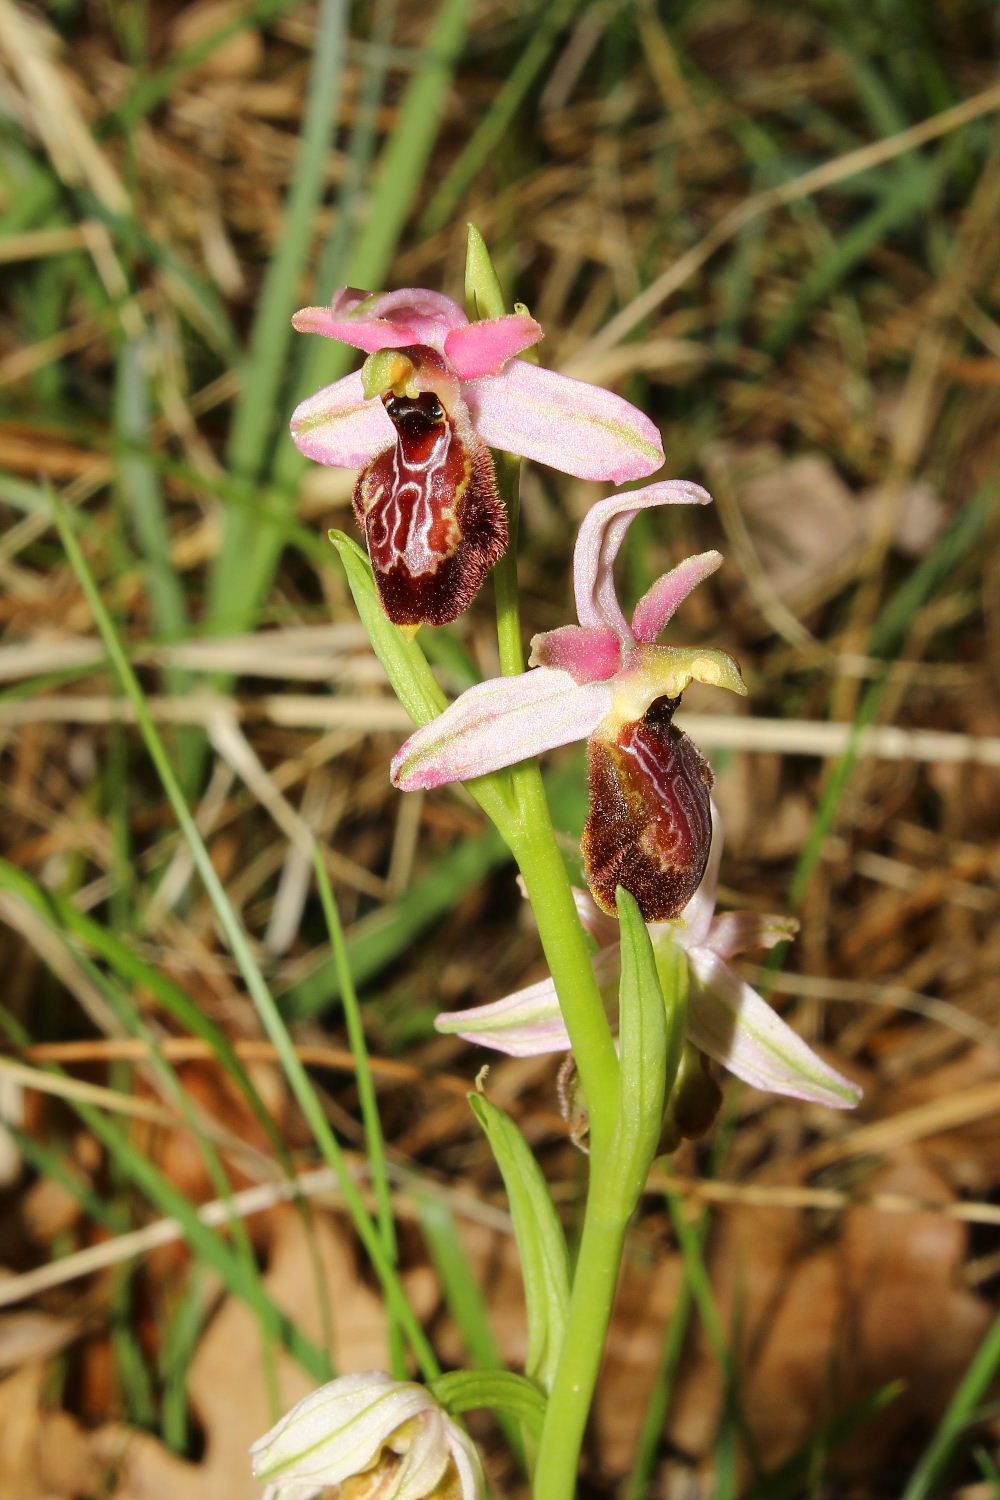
(650, 823)
(372, 1437)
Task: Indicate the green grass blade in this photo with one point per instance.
(375, 1152)
(464, 1297)
(495, 124)
(244, 568)
(267, 1010)
(958, 1417)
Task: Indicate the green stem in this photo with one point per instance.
(534, 846)
(594, 1283)
(508, 471)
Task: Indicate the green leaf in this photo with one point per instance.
(409, 674)
(540, 1241)
(498, 1390)
(642, 1053)
(405, 665)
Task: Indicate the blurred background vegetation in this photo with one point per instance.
(772, 226)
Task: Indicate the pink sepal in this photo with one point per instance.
(732, 1023)
(567, 424)
(498, 723)
(338, 426)
(527, 1023)
(587, 655)
(391, 320)
(599, 541)
(660, 602)
(740, 931)
(484, 348)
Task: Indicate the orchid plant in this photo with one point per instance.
(641, 989)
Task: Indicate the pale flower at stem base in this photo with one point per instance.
(368, 1437)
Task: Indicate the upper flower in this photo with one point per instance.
(602, 672)
(607, 681)
(519, 407)
(381, 1439)
(726, 1018)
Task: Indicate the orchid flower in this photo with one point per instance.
(379, 1438)
(727, 1018)
(649, 827)
(435, 393)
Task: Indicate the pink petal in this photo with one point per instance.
(732, 1023)
(577, 428)
(600, 538)
(660, 602)
(338, 426)
(498, 723)
(483, 348)
(390, 320)
(602, 928)
(739, 931)
(525, 1024)
(587, 655)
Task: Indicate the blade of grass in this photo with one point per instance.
(958, 1417)
(249, 553)
(207, 1244)
(267, 1010)
(77, 928)
(254, 415)
(805, 1466)
(662, 1386)
(734, 1421)
(387, 933)
(496, 122)
(886, 637)
(465, 1299)
(142, 497)
(374, 1140)
(146, 93)
(179, 1337)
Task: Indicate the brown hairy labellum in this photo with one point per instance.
(650, 823)
(432, 517)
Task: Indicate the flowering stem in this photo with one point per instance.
(594, 1281)
(533, 842)
(508, 471)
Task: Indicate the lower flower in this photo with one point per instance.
(368, 1437)
(727, 1019)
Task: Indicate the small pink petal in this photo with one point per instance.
(571, 426)
(732, 1023)
(390, 320)
(600, 538)
(740, 931)
(527, 1023)
(498, 723)
(484, 348)
(338, 426)
(602, 928)
(587, 655)
(660, 602)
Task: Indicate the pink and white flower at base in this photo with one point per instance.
(368, 1437)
